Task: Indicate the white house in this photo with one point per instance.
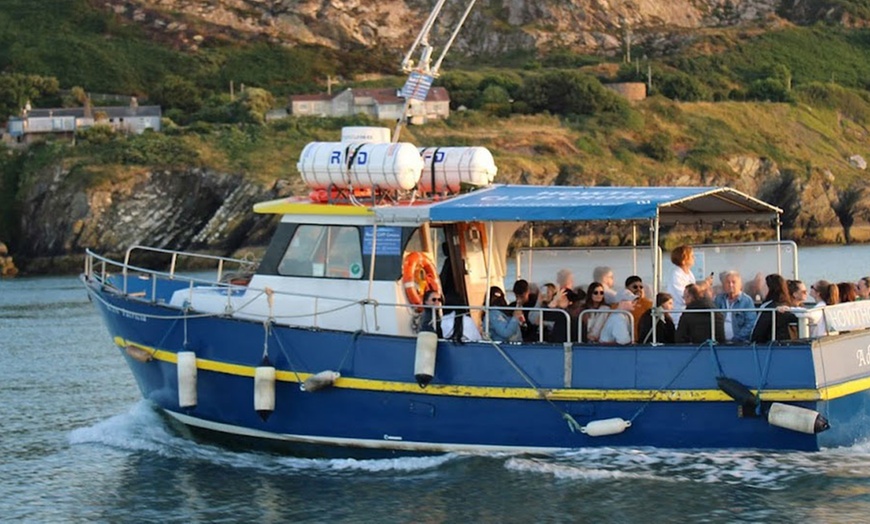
(380, 104)
(66, 121)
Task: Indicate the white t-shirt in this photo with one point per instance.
(616, 329)
(470, 333)
(676, 285)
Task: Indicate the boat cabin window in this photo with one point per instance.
(323, 251)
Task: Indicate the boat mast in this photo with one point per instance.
(421, 75)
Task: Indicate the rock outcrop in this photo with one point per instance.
(493, 27)
(187, 210)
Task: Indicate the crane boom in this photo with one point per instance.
(422, 74)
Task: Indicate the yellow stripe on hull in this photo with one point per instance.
(560, 394)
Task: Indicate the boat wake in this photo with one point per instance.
(143, 429)
(756, 468)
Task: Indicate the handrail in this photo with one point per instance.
(98, 267)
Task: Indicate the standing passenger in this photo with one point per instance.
(683, 258)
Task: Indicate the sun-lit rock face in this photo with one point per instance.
(600, 26)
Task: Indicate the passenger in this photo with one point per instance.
(797, 292)
(683, 258)
(666, 330)
(847, 292)
(431, 320)
(617, 329)
(777, 295)
(695, 327)
(461, 332)
(544, 298)
(522, 290)
(738, 324)
(533, 295)
(635, 284)
(593, 323)
(555, 315)
(564, 279)
(502, 327)
(862, 288)
(604, 276)
(826, 294)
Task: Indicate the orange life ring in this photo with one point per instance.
(418, 276)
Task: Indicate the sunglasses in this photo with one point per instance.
(598, 292)
(636, 286)
(436, 299)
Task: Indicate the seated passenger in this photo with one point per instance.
(431, 319)
(592, 323)
(635, 284)
(797, 292)
(604, 276)
(522, 292)
(847, 292)
(826, 294)
(547, 294)
(694, 327)
(556, 315)
(666, 331)
(738, 324)
(618, 327)
(463, 331)
(777, 296)
(502, 327)
(862, 288)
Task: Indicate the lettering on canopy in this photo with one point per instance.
(586, 197)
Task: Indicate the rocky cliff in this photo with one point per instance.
(598, 26)
(193, 209)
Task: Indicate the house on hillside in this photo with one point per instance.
(35, 124)
(380, 104)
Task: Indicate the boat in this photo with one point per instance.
(318, 349)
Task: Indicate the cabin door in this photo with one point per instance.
(466, 245)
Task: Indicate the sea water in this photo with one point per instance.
(77, 444)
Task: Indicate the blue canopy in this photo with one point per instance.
(571, 203)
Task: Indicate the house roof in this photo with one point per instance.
(110, 111)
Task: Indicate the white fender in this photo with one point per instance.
(796, 418)
(608, 426)
(424, 363)
(186, 379)
(264, 391)
(321, 380)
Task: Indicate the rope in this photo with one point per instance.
(573, 425)
(671, 381)
(762, 374)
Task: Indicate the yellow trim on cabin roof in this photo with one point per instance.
(519, 393)
(293, 206)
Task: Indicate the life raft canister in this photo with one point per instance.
(418, 276)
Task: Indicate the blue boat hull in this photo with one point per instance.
(483, 397)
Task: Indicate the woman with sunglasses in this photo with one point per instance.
(593, 323)
(431, 320)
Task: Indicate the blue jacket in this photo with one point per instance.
(742, 322)
(504, 328)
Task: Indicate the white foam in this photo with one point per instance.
(143, 429)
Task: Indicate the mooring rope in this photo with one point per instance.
(573, 425)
